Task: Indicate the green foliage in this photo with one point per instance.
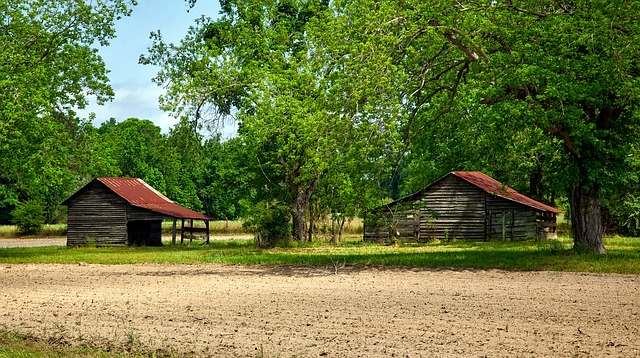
(48, 67)
(271, 223)
(627, 216)
(227, 178)
(29, 217)
(264, 61)
(19, 345)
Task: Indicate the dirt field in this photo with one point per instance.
(62, 241)
(223, 311)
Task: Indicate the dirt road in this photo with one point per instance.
(216, 310)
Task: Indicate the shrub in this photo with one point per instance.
(28, 217)
(271, 223)
(627, 216)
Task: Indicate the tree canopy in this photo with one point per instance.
(340, 104)
(48, 67)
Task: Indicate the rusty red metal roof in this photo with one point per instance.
(140, 194)
(492, 186)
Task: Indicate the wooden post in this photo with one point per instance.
(206, 224)
(173, 234)
(513, 219)
(182, 231)
(487, 230)
(504, 223)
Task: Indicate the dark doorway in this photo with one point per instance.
(145, 232)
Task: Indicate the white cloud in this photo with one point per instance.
(135, 94)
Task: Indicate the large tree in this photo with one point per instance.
(261, 63)
(48, 66)
(563, 72)
(570, 70)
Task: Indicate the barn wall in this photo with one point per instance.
(134, 213)
(509, 220)
(400, 221)
(450, 208)
(96, 215)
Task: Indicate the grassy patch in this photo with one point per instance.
(17, 345)
(553, 255)
(47, 230)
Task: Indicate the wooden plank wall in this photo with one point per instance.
(98, 216)
(455, 209)
(448, 209)
(510, 220)
(398, 222)
(452, 209)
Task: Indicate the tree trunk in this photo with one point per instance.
(310, 234)
(299, 216)
(586, 220)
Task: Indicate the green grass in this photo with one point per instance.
(553, 255)
(17, 345)
(47, 230)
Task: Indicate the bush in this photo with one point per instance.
(626, 216)
(271, 224)
(28, 217)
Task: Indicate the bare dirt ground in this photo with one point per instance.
(62, 241)
(282, 311)
(32, 241)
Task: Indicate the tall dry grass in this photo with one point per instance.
(47, 230)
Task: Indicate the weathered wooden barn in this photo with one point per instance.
(125, 211)
(461, 205)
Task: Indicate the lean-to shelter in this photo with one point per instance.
(125, 211)
(461, 205)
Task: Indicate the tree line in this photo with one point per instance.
(340, 106)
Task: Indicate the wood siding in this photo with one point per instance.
(453, 208)
(510, 220)
(97, 216)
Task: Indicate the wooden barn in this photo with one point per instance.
(126, 211)
(461, 205)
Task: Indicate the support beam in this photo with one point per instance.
(206, 224)
(173, 233)
(182, 232)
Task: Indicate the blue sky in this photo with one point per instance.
(135, 94)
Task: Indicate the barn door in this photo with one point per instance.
(501, 225)
(406, 226)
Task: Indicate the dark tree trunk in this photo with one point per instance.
(299, 209)
(301, 192)
(310, 233)
(299, 216)
(536, 189)
(586, 220)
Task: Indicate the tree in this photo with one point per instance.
(259, 64)
(227, 178)
(571, 71)
(564, 72)
(48, 66)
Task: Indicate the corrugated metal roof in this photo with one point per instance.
(492, 186)
(140, 194)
